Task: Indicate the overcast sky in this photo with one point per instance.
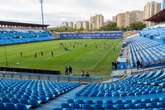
(57, 11)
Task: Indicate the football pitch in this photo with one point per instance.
(93, 56)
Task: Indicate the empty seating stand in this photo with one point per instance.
(154, 33)
(23, 36)
(26, 94)
(145, 90)
(148, 52)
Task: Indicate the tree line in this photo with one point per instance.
(112, 26)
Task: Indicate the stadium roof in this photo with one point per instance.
(157, 18)
(8, 23)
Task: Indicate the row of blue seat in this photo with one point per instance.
(144, 90)
(12, 106)
(120, 88)
(156, 33)
(13, 37)
(154, 105)
(31, 92)
(147, 51)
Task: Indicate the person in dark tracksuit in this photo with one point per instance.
(66, 70)
(138, 64)
(70, 70)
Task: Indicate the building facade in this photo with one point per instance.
(96, 22)
(150, 9)
(121, 20)
(65, 24)
(125, 19)
(79, 25)
(85, 25)
(114, 19)
(163, 4)
(70, 24)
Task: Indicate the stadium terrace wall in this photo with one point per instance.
(28, 70)
(91, 35)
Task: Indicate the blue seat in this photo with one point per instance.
(140, 105)
(70, 101)
(22, 107)
(98, 107)
(23, 101)
(109, 102)
(118, 102)
(65, 105)
(99, 102)
(5, 100)
(136, 101)
(89, 102)
(34, 103)
(108, 106)
(86, 107)
(80, 102)
(129, 106)
(10, 106)
(2, 107)
(126, 101)
(14, 100)
(118, 106)
(151, 105)
(161, 104)
(57, 109)
(43, 99)
(154, 99)
(75, 106)
(145, 100)
(162, 99)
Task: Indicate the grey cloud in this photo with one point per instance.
(57, 11)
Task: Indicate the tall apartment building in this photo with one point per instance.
(163, 4)
(79, 25)
(74, 25)
(137, 16)
(114, 19)
(70, 24)
(96, 22)
(121, 19)
(125, 19)
(150, 9)
(65, 24)
(85, 25)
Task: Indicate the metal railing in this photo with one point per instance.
(57, 78)
(135, 71)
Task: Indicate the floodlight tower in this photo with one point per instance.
(42, 11)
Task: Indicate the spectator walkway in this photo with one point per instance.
(56, 103)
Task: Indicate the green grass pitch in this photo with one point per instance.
(93, 56)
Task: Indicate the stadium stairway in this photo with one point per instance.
(56, 103)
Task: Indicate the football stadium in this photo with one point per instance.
(82, 70)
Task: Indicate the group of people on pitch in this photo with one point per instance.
(68, 70)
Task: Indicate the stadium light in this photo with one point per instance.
(42, 11)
